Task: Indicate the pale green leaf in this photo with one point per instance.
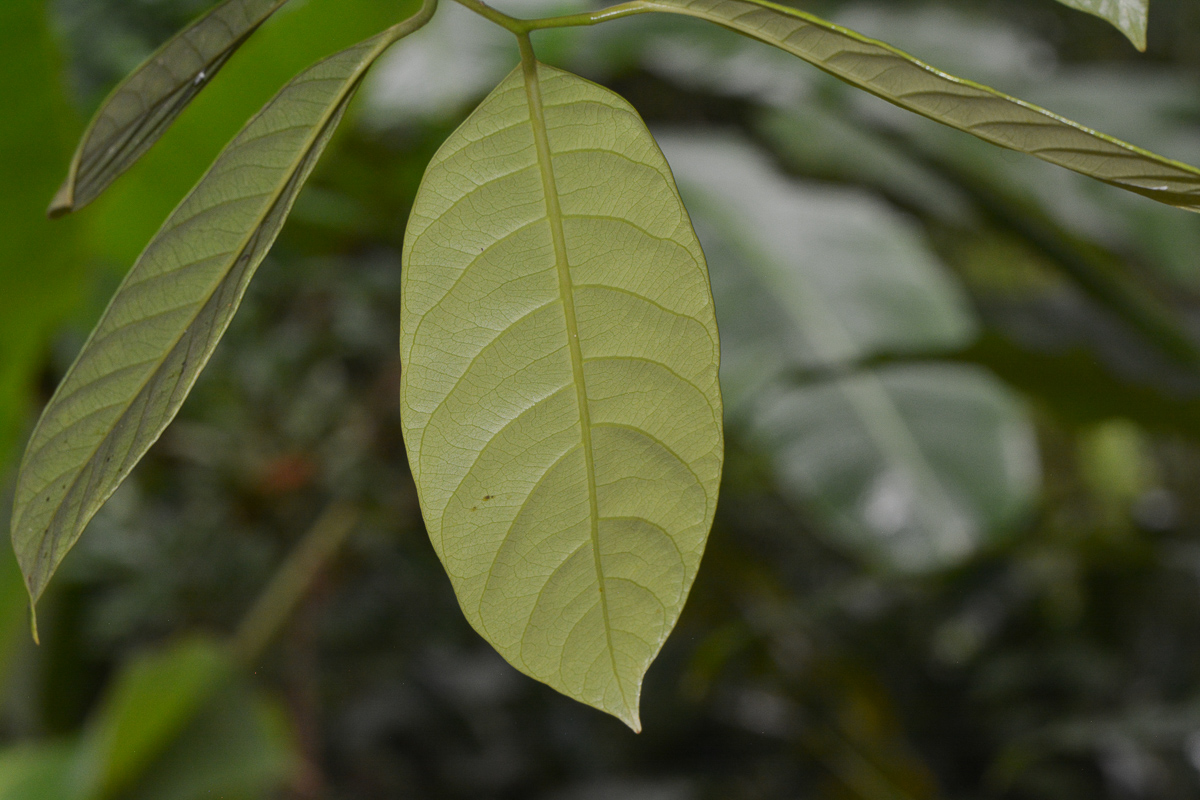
(166, 318)
(992, 116)
(1130, 17)
(143, 106)
(559, 398)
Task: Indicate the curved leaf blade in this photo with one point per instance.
(153, 699)
(559, 395)
(182, 723)
(143, 106)
(914, 85)
(1130, 17)
(913, 467)
(171, 310)
(237, 745)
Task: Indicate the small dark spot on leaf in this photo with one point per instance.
(474, 508)
(487, 497)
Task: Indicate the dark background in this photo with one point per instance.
(1030, 336)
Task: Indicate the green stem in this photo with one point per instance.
(593, 18)
(415, 22)
(522, 27)
(292, 582)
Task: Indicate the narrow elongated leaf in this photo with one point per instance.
(168, 315)
(1130, 17)
(559, 396)
(141, 109)
(994, 117)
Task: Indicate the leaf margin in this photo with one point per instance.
(1134, 29)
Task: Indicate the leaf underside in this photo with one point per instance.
(140, 110)
(559, 396)
(166, 318)
(1130, 17)
(992, 116)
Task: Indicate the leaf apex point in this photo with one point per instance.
(630, 715)
(63, 202)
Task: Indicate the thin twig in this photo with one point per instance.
(523, 27)
(293, 581)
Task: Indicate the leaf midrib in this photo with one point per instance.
(554, 215)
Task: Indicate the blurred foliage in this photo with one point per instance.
(42, 267)
(1032, 335)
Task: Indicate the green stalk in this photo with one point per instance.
(293, 581)
(522, 27)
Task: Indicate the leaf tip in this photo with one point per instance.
(63, 202)
(33, 626)
(629, 713)
(1136, 35)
